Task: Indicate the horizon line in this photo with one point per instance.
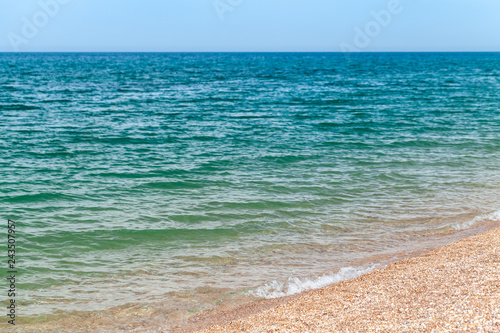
(332, 52)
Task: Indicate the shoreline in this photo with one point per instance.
(145, 319)
(452, 287)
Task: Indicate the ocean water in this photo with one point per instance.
(172, 182)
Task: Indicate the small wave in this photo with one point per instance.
(19, 107)
(42, 197)
(495, 216)
(277, 289)
(175, 185)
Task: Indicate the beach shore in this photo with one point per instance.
(453, 288)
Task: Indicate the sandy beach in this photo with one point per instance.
(455, 288)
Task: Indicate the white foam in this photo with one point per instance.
(276, 289)
(495, 216)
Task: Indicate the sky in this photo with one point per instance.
(249, 25)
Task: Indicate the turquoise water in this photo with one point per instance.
(176, 179)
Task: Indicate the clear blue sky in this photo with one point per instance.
(249, 25)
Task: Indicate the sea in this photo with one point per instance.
(168, 184)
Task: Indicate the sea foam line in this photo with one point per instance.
(495, 216)
(275, 289)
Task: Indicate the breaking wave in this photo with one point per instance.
(495, 216)
(275, 289)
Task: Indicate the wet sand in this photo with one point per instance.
(453, 288)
